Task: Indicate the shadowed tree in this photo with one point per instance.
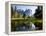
(11, 11)
(24, 15)
(38, 12)
(15, 8)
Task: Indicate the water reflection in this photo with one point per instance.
(22, 26)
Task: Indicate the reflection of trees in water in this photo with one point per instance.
(22, 26)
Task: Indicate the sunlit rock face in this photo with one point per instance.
(28, 12)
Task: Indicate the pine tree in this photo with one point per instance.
(38, 12)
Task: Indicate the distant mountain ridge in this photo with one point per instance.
(26, 12)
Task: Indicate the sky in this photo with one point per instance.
(24, 7)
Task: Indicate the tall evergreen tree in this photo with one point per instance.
(38, 12)
(15, 8)
(11, 10)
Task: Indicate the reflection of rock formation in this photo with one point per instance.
(26, 27)
(33, 26)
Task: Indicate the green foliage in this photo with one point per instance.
(38, 12)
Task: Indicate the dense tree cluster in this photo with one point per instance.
(38, 12)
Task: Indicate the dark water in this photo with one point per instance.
(27, 26)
